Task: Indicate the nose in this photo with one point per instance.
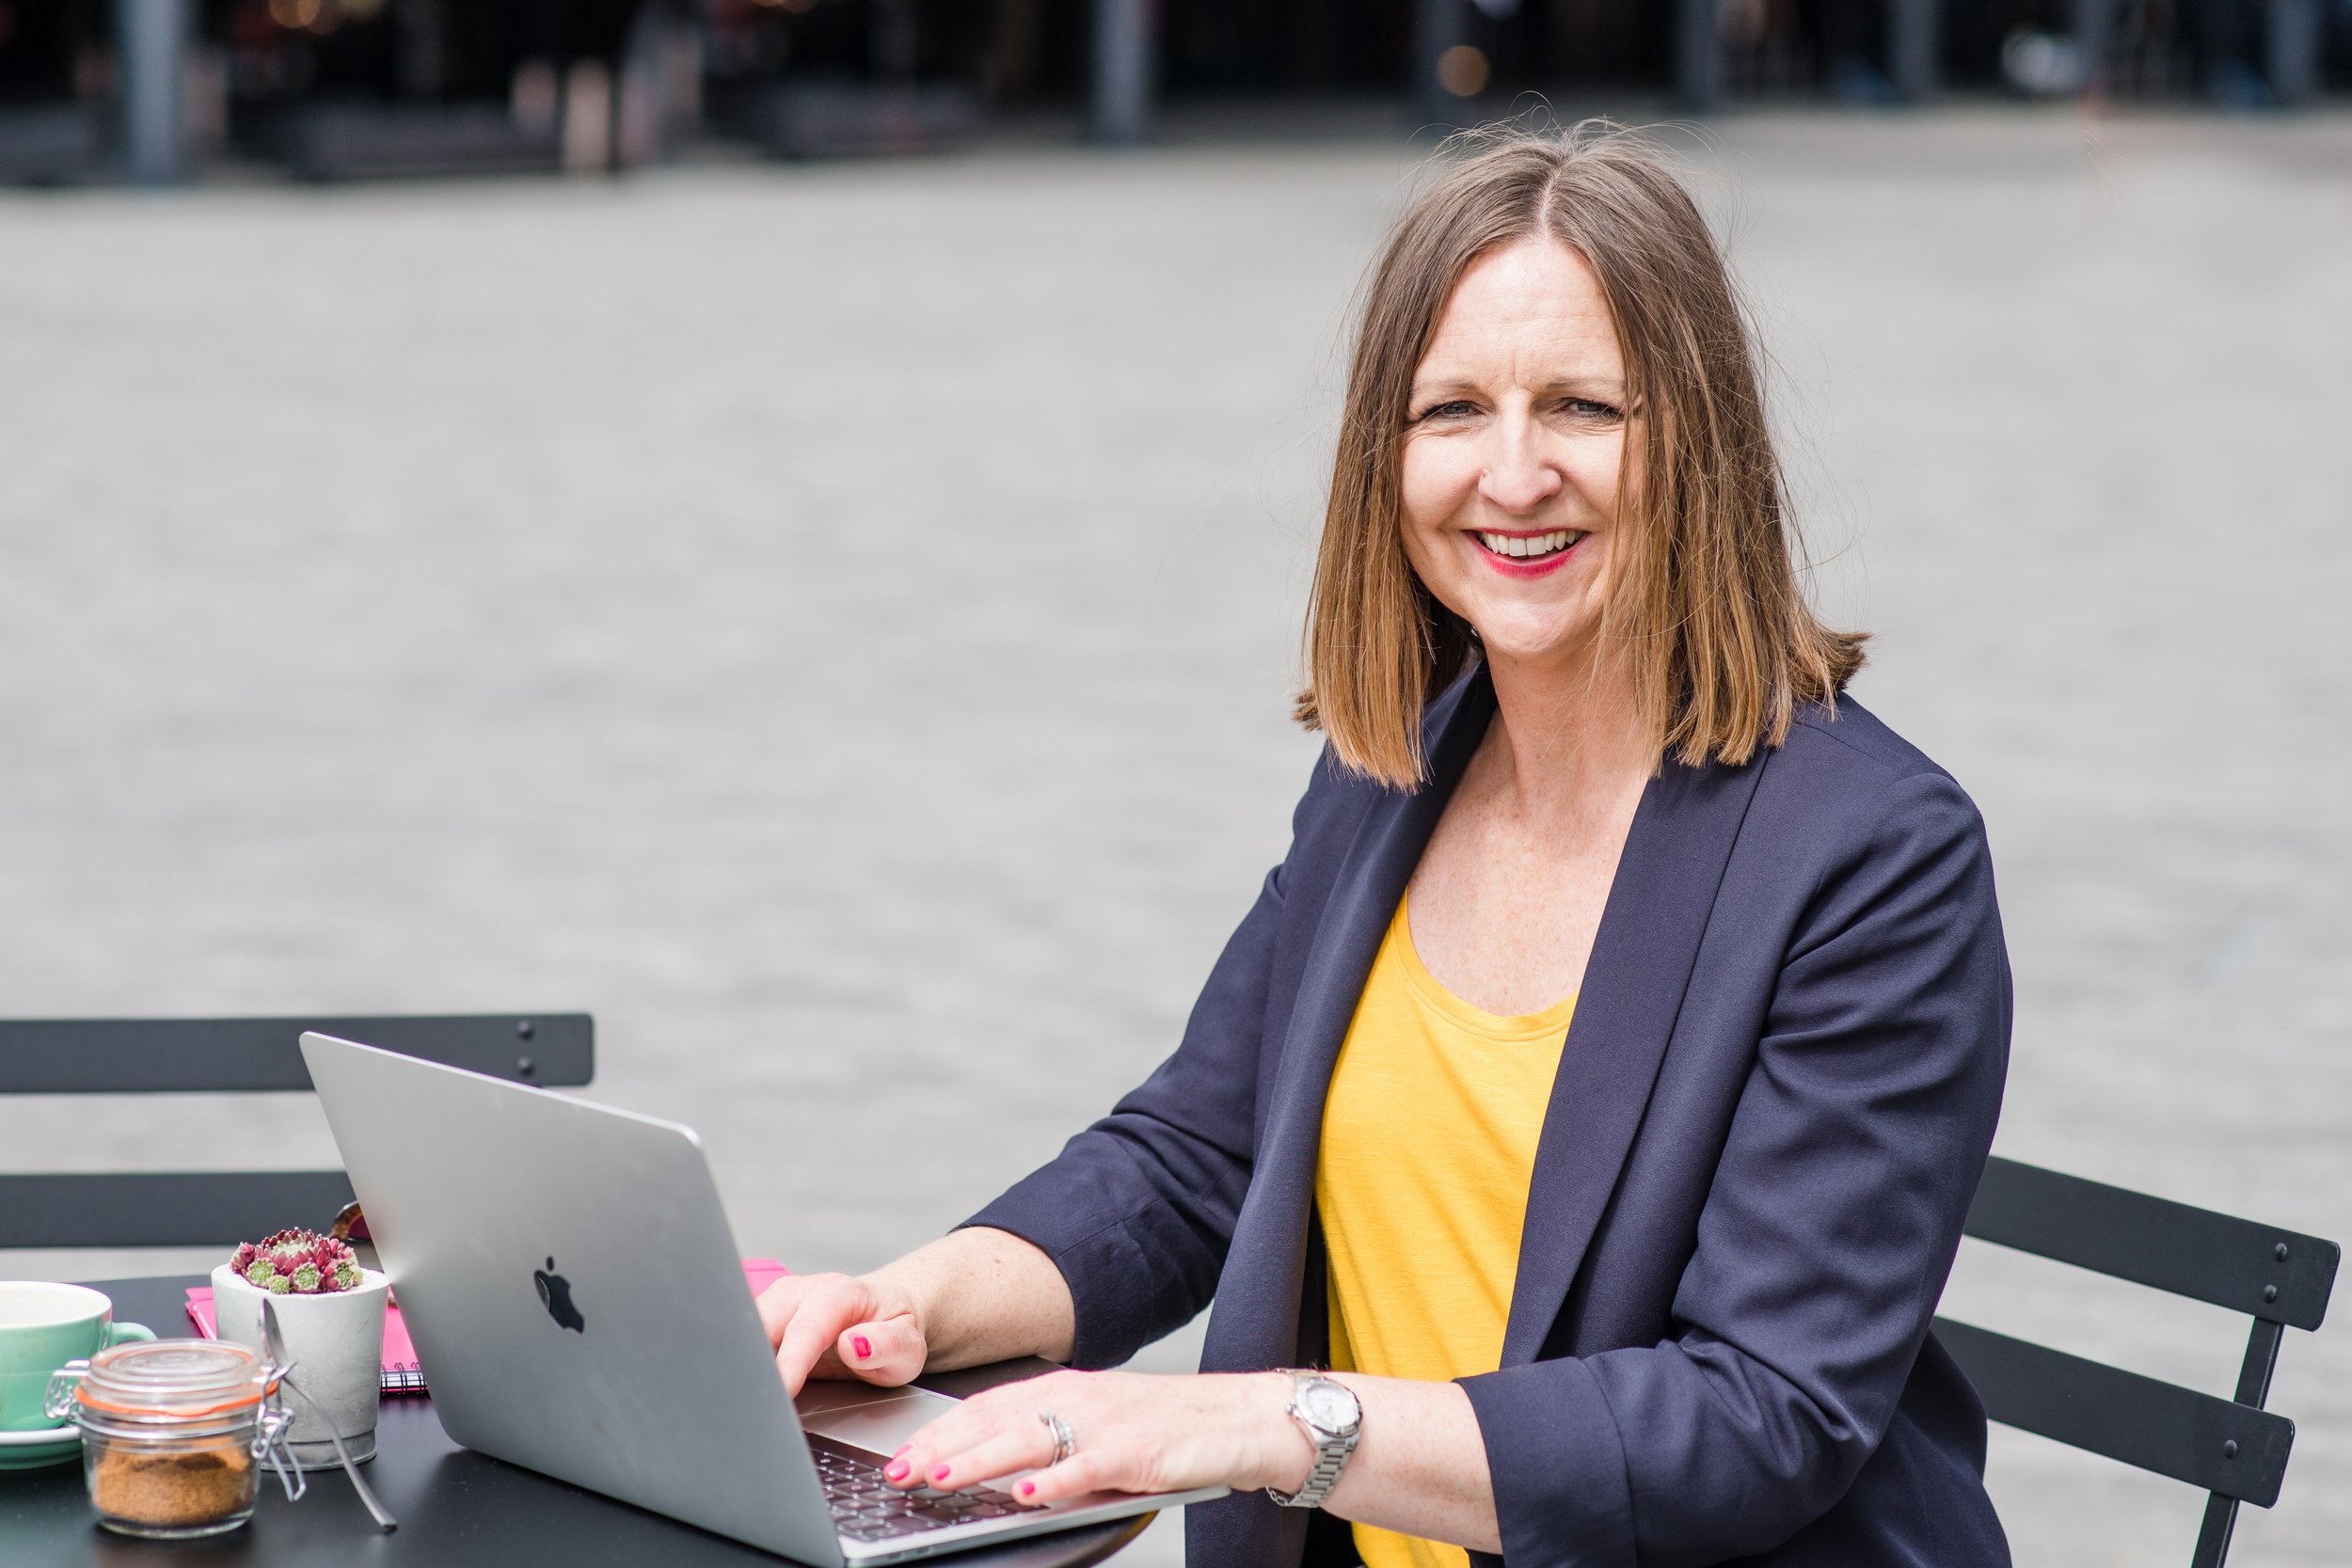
(1519, 480)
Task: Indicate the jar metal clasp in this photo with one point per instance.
(269, 1443)
(58, 1404)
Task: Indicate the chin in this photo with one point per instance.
(1516, 638)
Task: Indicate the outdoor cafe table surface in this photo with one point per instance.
(457, 1508)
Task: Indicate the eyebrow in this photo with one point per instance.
(1602, 385)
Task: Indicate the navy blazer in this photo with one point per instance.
(1771, 1111)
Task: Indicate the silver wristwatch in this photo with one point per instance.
(1332, 1416)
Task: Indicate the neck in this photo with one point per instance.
(1566, 728)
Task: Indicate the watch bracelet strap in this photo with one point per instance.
(1331, 1457)
(1325, 1475)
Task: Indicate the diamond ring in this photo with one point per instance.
(1065, 1441)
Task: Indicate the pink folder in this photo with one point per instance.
(403, 1374)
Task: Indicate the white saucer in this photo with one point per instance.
(28, 1450)
(39, 1440)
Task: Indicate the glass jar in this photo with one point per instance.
(174, 1434)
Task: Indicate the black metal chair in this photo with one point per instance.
(2232, 1448)
(242, 1055)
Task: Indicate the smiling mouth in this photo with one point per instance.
(1529, 546)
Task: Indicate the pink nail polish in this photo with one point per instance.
(939, 1473)
(1028, 1489)
(860, 1347)
(894, 1470)
(904, 1449)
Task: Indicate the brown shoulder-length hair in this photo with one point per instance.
(1704, 594)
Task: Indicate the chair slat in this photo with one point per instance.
(166, 1209)
(2213, 1535)
(2211, 1443)
(2277, 1275)
(144, 1055)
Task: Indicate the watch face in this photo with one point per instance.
(1329, 1405)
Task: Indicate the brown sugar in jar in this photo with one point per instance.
(173, 1433)
(197, 1486)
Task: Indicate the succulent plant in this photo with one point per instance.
(300, 1262)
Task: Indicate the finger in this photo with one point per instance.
(778, 1304)
(888, 1350)
(990, 1410)
(957, 1433)
(1001, 1454)
(807, 1337)
(1009, 1408)
(1081, 1473)
(795, 1365)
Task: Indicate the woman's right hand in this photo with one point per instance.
(841, 1326)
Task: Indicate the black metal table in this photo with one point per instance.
(457, 1508)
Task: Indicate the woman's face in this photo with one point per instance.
(1513, 446)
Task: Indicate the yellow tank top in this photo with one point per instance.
(1429, 1133)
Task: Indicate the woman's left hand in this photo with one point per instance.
(1132, 1432)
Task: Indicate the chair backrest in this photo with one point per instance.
(2232, 1448)
(233, 1055)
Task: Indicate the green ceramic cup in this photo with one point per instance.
(42, 1326)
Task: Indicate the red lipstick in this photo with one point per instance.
(1525, 566)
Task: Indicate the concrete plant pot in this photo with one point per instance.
(336, 1341)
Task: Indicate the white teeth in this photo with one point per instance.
(1522, 546)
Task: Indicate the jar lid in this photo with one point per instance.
(174, 1378)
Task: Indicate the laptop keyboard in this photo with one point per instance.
(868, 1508)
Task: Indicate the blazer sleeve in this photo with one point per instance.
(1137, 1210)
(1825, 1241)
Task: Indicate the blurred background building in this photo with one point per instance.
(161, 90)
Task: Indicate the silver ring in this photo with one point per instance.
(1065, 1441)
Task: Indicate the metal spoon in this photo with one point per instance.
(284, 1367)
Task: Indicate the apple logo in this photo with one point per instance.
(555, 1293)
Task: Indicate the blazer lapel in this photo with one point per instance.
(1265, 1263)
(1658, 909)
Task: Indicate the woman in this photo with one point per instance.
(1598, 1085)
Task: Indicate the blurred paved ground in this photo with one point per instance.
(835, 624)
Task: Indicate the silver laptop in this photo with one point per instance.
(580, 1308)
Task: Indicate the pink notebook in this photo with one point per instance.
(403, 1374)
